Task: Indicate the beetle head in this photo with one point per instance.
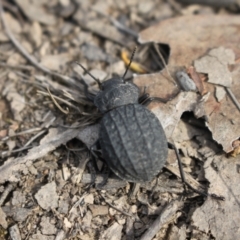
(111, 82)
(116, 92)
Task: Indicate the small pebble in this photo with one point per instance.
(186, 82)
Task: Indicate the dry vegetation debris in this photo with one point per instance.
(47, 125)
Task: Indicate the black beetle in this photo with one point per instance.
(132, 140)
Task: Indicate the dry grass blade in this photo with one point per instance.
(48, 125)
(20, 67)
(22, 133)
(54, 97)
(35, 137)
(56, 103)
(8, 153)
(188, 177)
(164, 62)
(114, 207)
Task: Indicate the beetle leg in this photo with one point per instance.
(145, 99)
(103, 183)
(90, 96)
(185, 183)
(96, 153)
(93, 175)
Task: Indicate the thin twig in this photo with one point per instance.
(77, 204)
(188, 177)
(114, 207)
(59, 99)
(20, 67)
(56, 103)
(37, 129)
(35, 137)
(26, 146)
(164, 62)
(44, 82)
(7, 190)
(229, 91)
(6, 153)
(168, 214)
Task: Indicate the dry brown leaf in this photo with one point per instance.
(190, 37)
(221, 219)
(215, 64)
(223, 118)
(214, 109)
(169, 113)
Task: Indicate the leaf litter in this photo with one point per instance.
(219, 111)
(59, 165)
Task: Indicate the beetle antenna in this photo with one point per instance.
(131, 59)
(95, 79)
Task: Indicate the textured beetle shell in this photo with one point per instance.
(133, 143)
(116, 95)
